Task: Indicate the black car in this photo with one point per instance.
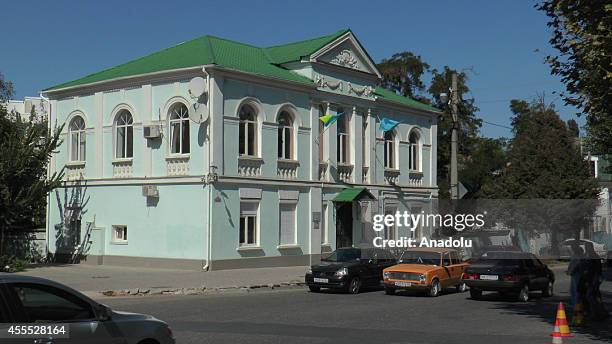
(349, 269)
(509, 273)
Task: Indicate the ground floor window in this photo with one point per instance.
(248, 223)
(120, 234)
(287, 224)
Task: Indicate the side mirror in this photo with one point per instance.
(104, 313)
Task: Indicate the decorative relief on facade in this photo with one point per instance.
(345, 59)
(392, 176)
(286, 169)
(122, 169)
(365, 178)
(415, 179)
(322, 82)
(345, 172)
(365, 91)
(178, 166)
(323, 172)
(75, 171)
(249, 167)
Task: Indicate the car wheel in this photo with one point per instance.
(475, 294)
(389, 291)
(354, 285)
(523, 295)
(462, 287)
(549, 290)
(434, 289)
(314, 289)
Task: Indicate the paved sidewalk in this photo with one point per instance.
(94, 279)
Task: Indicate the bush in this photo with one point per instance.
(12, 264)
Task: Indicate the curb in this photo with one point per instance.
(198, 290)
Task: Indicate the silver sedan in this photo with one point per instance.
(33, 302)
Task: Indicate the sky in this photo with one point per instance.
(50, 42)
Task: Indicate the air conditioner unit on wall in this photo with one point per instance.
(150, 191)
(152, 131)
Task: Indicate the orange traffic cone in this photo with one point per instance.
(578, 316)
(561, 328)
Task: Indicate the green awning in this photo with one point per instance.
(351, 194)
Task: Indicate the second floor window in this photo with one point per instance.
(389, 150)
(179, 129)
(124, 133)
(343, 138)
(414, 154)
(247, 131)
(285, 136)
(77, 139)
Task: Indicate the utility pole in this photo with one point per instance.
(454, 184)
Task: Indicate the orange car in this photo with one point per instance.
(428, 269)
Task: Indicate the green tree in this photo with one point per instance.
(469, 124)
(483, 167)
(402, 73)
(582, 35)
(544, 164)
(24, 154)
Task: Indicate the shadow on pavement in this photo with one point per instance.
(545, 309)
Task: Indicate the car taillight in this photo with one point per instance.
(469, 276)
(510, 278)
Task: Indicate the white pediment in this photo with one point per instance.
(346, 52)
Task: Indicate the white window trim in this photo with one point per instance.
(295, 224)
(81, 134)
(255, 245)
(419, 152)
(114, 239)
(182, 121)
(116, 128)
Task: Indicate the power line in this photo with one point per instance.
(497, 125)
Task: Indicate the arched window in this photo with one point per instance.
(285, 136)
(179, 129)
(414, 153)
(124, 135)
(343, 138)
(77, 139)
(248, 131)
(390, 150)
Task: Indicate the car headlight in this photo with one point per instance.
(422, 278)
(342, 272)
(386, 275)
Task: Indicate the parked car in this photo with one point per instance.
(600, 249)
(349, 269)
(31, 300)
(427, 269)
(508, 273)
(479, 251)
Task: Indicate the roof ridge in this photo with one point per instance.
(343, 31)
(235, 42)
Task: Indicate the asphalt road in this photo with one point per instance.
(298, 316)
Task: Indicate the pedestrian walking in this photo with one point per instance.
(594, 306)
(575, 270)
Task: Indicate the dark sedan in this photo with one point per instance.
(509, 273)
(349, 269)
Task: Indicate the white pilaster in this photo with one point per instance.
(216, 122)
(99, 135)
(357, 151)
(314, 141)
(147, 112)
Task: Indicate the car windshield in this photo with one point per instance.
(497, 262)
(343, 255)
(425, 258)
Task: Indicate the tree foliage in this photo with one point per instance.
(402, 73)
(24, 154)
(582, 35)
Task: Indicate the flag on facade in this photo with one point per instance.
(330, 119)
(387, 124)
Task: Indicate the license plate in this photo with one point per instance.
(321, 280)
(489, 277)
(403, 284)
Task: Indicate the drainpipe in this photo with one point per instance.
(208, 181)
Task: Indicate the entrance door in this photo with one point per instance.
(344, 224)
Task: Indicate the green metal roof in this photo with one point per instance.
(350, 194)
(229, 54)
(394, 97)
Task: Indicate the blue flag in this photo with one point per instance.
(387, 124)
